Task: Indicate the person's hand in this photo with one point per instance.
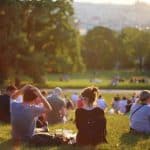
(20, 91)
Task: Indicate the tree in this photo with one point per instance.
(136, 45)
(36, 35)
(100, 47)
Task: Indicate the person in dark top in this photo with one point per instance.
(5, 104)
(58, 114)
(42, 120)
(69, 105)
(90, 120)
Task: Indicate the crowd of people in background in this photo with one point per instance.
(29, 108)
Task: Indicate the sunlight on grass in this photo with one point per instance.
(81, 80)
(118, 134)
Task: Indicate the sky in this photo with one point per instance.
(113, 1)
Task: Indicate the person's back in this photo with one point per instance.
(23, 115)
(122, 105)
(57, 104)
(101, 103)
(23, 119)
(115, 104)
(90, 120)
(140, 121)
(74, 98)
(91, 126)
(140, 114)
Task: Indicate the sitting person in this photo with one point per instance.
(5, 104)
(115, 104)
(140, 114)
(23, 115)
(75, 98)
(101, 103)
(90, 120)
(122, 105)
(42, 120)
(56, 100)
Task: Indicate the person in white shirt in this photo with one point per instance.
(101, 103)
(122, 105)
(75, 98)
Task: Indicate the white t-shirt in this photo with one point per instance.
(75, 98)
(122, 106)
(101, 103)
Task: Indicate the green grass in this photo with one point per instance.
(81, 80)
(118, 136)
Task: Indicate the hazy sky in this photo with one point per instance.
(113, 1)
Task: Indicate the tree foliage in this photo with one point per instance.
(136, 44)
(37, 36)
(107, 49)
(100, 44)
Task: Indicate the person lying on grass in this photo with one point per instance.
(140, 114)
(90, 120)
(23, 115)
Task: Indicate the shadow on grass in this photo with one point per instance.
(131, 139)
(63, 147)
(6, 145)
(76, 148)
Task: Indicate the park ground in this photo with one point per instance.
(102, 79)
(117, 127)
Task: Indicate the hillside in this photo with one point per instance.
(112, 16)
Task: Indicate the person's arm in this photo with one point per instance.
(43, 99)
(20, 91)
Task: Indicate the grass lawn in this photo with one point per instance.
(81, 80)
(104, 78)
(118, 136)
